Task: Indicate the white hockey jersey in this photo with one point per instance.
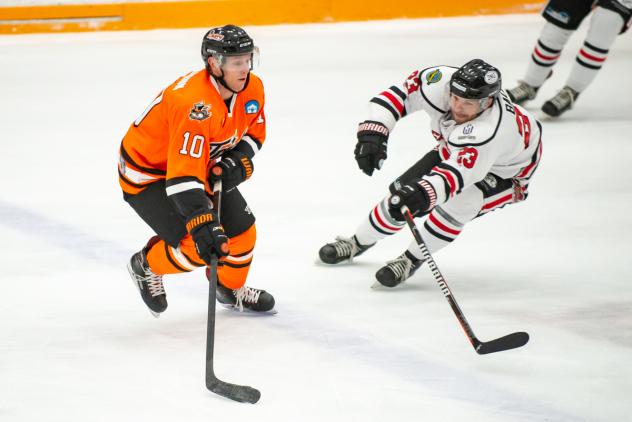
(504, 140)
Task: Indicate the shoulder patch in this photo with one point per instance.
(200, 111)
(434, 76)
(252, 107)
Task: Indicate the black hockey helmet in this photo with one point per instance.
(476, 80)
(223, 41)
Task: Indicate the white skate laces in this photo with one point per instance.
(153, 282)
(346, 246)
(401, 267)
(246, 294)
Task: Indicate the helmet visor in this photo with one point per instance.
(247, 61)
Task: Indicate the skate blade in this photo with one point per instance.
(131, 274)
(544, 117)
(272, 311)
(379, 286)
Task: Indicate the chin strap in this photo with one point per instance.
(221, 80)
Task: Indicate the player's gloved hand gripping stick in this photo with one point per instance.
(510, 341)
(240, 393)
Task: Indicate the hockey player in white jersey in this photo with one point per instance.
(487, 151)
(609, 19)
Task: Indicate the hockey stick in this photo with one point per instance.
(510, 341)
(240, 393)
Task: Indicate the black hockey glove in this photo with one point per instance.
(236, 167)
(208, 235)
(418, 196)
(370, 151)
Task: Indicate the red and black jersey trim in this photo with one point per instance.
(437, 234)
(387, 106)
(548, 49)
(591, 57)
(147, 170)
(597, 49)
(377, 227)
(394, 100)
(550, 55)
(500, 118)
(453, 180)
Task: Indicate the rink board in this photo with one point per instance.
(190, 14)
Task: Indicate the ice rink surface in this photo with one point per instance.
(78, 344)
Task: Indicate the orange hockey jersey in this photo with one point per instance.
(185, 129)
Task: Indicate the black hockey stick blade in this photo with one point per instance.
(240, 393)
(508, 342)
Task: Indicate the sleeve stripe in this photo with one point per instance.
(181, 187)
(454, 171)
(386, 105)
(253, 144)
(148, 170)
(394, 100)
(399, 92)
(449, 179)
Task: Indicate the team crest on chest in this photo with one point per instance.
(200, 111)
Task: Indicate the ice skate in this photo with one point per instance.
(342, 249)
(522, 93)
(562, 102)
(149, 284)
(246, 299)
(397, 270)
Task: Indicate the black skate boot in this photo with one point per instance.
(149, 284)
(245, 297)
(522, 93)
(398, 270)
(562, 101)
(343, 248)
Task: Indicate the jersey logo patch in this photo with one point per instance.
(468, 129)
(200, 111)
(467, 157)
(252, 107)
(434, 76)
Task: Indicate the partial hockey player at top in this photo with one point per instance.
(609, 18)
(487, 149)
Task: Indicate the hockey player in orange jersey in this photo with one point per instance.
(212, 117)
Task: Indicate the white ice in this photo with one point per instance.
(77, 343)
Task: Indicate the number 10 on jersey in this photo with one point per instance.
(196, 147)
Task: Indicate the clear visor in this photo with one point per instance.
(468, 104)
(241, 62)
